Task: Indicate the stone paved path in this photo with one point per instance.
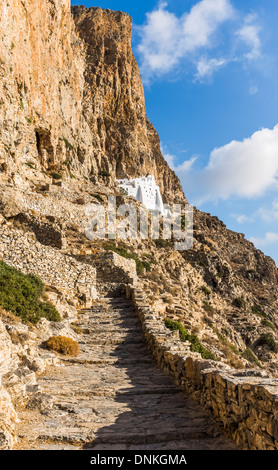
(112, 396)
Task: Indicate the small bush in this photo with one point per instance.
(206, 290)
(151, 260)
(267, 324)
(55, 176)
(257, 310)
(161, 243)
(208, 307)
(122, 251)
(63, 345)
(123, 191)
(196, 345)
(68, 144)
(104, 173)
(238, 302)
(269, 341)
(224, 341)
(250, 356)
(21, 294)
(98, 197)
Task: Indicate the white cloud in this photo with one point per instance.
(207, 67)
(249, 34)
(253, 90)
(268, 215)
(242, 218)
(269, 238)
(170, 159)
(167, 41)
(245, 169)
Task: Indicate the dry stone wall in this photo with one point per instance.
(113, 271)
(244, 401)
(57, 270)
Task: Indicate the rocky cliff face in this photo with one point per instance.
(72, 101)
(41, 70)
(124, 141)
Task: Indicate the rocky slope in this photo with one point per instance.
(72, 118)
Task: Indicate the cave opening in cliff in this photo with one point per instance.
(44, 147)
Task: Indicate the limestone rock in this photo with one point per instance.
(11, 203)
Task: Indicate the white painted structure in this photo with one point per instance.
(144, 190)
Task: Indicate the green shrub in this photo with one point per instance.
(196, 345)
(208, 307)
(122, 251)
(151, 260)
(55, 176)
(123, 191)
(98, 197)
(224, 341)
(257, 310)
(206, 290)
(161, 243)
(21, 294)
(266, 323)
(68, 144)
(250, 356)
(30, 165)
(238, 302)
(63, 345)
(268, 339)
(104, 173)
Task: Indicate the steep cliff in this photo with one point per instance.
(72, 101)
(124, 141)
(41, 84)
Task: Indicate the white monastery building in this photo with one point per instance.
(144, 190)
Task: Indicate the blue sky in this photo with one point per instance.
(210, 71)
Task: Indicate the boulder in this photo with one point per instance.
(11, 203)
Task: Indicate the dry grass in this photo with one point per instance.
(63, 345)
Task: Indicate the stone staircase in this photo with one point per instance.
(112, 396)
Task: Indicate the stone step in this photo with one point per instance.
(113, 396)
(158, 437)
(101, 341)
(122, 331)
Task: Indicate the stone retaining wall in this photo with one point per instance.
(111, 267)
(47, 233)
(56, 269)
(245, 402)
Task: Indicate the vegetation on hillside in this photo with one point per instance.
(123, 251)
(63, 345)
(22, 295)
(196, 345)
